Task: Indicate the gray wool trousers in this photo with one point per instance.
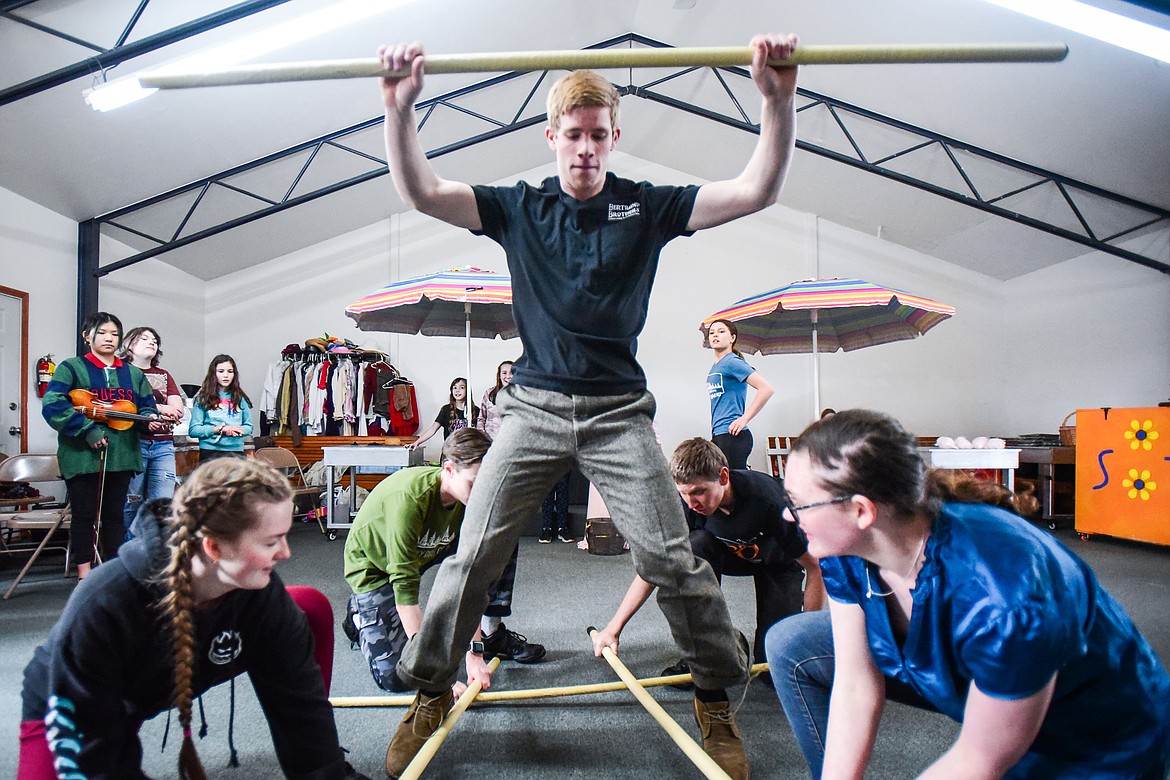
(610, 438)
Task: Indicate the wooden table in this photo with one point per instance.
(1004, 461)
(368, 458)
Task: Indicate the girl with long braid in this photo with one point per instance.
(190, 603)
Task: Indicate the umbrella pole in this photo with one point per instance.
(816, 370)
(467, 330)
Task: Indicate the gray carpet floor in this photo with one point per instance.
(560, 590)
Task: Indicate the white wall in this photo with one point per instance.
(38, 255)
(154, 294)
(1017, 357)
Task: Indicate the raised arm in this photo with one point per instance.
(758, 186)
(414, 178)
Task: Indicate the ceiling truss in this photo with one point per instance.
(103, 59)
(975, 177)
(979, 178)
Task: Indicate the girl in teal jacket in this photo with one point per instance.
(221, 416)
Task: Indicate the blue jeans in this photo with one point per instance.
(157, 479)
(800, 660)
(542, 435)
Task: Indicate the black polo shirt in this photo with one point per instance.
(755, 530)
(581, 276)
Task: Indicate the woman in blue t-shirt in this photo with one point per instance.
(941, 596)
(727, 384)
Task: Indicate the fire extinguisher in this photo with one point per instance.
(45, 369)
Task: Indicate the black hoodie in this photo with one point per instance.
(107, 666)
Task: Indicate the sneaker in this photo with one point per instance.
(510, 646)
(682, 667)
(421, 721)
(566, 537)
(350, 630)
(721, 739)
(546, 536)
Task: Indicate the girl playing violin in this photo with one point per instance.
(96, 460)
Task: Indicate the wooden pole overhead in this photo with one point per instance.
(601, 59)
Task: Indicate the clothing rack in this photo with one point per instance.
(313, 356)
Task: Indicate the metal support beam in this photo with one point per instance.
(964, 160)
(103, 61)
(88, 242)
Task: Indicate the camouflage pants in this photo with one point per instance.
(379, 631)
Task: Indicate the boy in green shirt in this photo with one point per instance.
(409, 523)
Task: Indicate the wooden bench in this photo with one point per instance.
(778, 449)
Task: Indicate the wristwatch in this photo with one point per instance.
(475, 647)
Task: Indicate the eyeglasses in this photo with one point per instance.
(794, 510)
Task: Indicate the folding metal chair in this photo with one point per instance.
(285, 460)
(41, 514)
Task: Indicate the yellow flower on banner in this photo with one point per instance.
(1141, 435)
(1139, 484)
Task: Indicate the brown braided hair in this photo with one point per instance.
(218, 500)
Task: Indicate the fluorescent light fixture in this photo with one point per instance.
(115, 94)
(126, 90)
(1096, 23)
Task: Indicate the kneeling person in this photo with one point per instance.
(737, 527)
(409, 523)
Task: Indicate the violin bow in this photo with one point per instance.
(97, 531)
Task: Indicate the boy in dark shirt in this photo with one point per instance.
(737, 526)
(582, 251)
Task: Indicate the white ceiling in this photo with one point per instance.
(1100, 117)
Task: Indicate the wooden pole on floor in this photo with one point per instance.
(600, 59)
(704, 762)
(404, 699)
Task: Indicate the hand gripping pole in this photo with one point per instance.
(704, 762)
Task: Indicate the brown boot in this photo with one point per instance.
(721, 738)
(420, 722)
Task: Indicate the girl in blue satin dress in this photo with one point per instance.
(942, 597)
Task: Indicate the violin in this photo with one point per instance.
(119, 415)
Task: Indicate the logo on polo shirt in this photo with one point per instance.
(620, 211)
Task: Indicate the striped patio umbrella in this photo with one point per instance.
(825, 315)
(467, 301)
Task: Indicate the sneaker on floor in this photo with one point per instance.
(510, 646)
(546, 536)
(721, 738)
(682, 667)
(566, 537)
(350, 630)
(421, 721)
